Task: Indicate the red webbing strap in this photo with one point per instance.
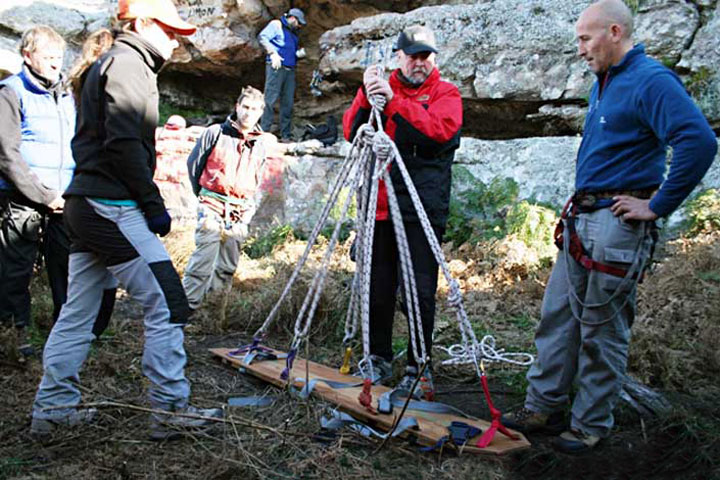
(577, 250)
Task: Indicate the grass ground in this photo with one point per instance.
(676, 350)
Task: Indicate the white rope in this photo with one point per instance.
(460, 354)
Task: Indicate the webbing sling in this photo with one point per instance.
(254, 351)
(308, 389)
(577, 250)
(253, 401)
(397, 398)
(338, 420)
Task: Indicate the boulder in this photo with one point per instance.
(70, 18)
(700, 63)
(512, 60)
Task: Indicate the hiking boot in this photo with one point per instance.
(527, 421)
(575, 441)
(42, 428)
(424, 390)
(381, 370)
(25, 348)
(175, 423)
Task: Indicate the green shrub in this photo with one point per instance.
(703, 212)
(336, 212)
(477, 212)
(263, 245)
(534, 225)
(704, 87)
(165, 110)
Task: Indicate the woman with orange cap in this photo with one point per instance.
(114, 212)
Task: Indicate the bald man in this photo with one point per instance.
(637, 109)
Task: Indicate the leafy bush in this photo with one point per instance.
(263, 245)
(336, 212)
(703, 212)
(534, 225)
(478, 212)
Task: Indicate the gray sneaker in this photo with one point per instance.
(44, 427)
(424, 390)
(175, 423)
(381, 370)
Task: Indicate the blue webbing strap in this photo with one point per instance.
(397, 398)
(460, 433)
(254, 401)
(308, 389)
(339, 420)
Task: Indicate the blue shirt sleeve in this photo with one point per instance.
(271, 37)
(677, 122)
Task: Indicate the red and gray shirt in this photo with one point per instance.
(226, 166)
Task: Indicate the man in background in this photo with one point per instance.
(280, 40)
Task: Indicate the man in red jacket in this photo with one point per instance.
(423, 116)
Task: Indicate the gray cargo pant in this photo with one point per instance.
(217, 253)
(114, 243)
(584, 330)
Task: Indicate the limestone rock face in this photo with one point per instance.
(225, 40)
(543, 168)
(511, 59)
(10, 59)
(70, 18)
(514, 61)
(702, 60)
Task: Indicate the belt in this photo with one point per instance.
(589, 199)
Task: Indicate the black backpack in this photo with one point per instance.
(325, 132)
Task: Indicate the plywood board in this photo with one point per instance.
(432, 426)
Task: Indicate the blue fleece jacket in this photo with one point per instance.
(642, 109)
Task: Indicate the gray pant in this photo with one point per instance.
(279, 84)
(147, 281)
(584, 331)
(217, 253)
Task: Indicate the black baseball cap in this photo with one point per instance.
(416, 39)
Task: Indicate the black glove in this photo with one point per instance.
(160, 224)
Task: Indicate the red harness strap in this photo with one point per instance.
(576, 249)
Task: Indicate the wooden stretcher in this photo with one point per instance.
(431, 426)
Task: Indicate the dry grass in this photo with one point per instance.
(677, 333)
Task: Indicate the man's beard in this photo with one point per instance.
(418, 77)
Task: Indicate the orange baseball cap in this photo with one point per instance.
(162, 11)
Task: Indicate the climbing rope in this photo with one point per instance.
(369, 160)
